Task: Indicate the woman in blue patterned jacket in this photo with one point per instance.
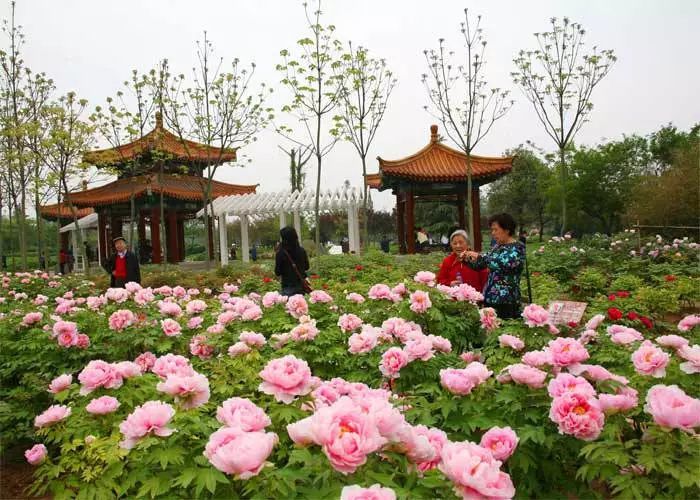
(505, 263)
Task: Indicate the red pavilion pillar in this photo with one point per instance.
(476, 218)
(401, 222)
(141, 229)
(155, 235)
(181, 238)
(173, 250)
(410, 222)
(116, 226)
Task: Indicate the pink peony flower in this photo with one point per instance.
(168, 308)
(66, 333)
(587, 336)
(671, 407)
(190, 391)
(511, 341)
(537, 358)
(625, 399)
(595, 322)
(420, 301)
(500, 441)
(320, 297)
(297, 306)
(117, 295)
(620, 334)
(194, 307)
(53, 414)
(346, 434)
(436, 439)
(425, 277)
(238, 349)
(672, 341)
(691, 355)
(239, 453)
(270, 299)
(689, 322)
(128, 369)
(468, 357)
(172, 364)
(253, 339)
(567, 351)
(527, 375)
(420, 347)
(200, 348)
(103, 405)
(374, 492)
(474, 471)
(393, 360)
(285, 378)
(216, 328)
(577, 415)
(535, 315)
(30, 319)
(83, 341)
(242, 413)
(146, 361)
(97, 374)
(398, 291)
(194, 322)
(650, 360)
(363, 342)
(170, 327)
(462, 381)
(121, 319)
(150, 418)
(355, 298)
(300, 431)
(440, 343)
(349, 322)
(60, 383)
(306, 330)
(36, 454)
(565, 382)
(596, 373)
(466, 293)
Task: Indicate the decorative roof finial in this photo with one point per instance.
(433, 133)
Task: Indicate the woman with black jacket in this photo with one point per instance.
(291, 262)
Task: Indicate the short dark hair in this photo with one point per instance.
(506, 221)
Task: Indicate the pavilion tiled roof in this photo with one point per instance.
(182, 187)
(163, 141)
(62, 211)
(437, 162)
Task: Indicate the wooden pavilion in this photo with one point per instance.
(435, 173)
(157, 163)
(62, 214)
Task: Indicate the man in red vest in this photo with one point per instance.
(122, 266)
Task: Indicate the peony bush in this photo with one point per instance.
(379, 384)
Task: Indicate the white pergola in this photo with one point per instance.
(87, 222)
(258, 206)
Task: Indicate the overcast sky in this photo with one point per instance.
(91, 46)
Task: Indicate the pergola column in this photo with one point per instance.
(223, 240)
(410, 222)
(171, 232)
(101, 240)
(297, 223)
(283, 219)
(352, 236)
(155, 235)
(476, 218)
(244, 239)
(400, 222)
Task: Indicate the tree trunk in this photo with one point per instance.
(365, 202)
(317, 217)
(2, 246)
(470, 212)
(562, 166)
(81, 245)
(22, 225)
(161, 222)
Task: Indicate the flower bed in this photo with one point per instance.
(379, 379)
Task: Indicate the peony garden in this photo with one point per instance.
(378, 384)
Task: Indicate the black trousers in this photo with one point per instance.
(507, 310)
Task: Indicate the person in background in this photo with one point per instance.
(253, 253)
(445, 242)
(505, 263)
(422, 238)
(232, 253)
(291, 263)
(123, 265)
(385, 244)
(454, 269)
(63, 260)
(523, 237)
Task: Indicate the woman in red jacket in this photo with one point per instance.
(454, 270)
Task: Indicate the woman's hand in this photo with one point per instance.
(471, 255)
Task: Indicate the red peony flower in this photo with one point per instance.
(632, 316)
(267, 279)
(611, 297)
(622, 294)
(670, 277)
(572, 324)
(325, 286)
(359, 267)
(614, 314)
(646, 322)
(315, 276)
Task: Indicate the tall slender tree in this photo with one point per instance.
(558, 78)
(368, 86)
(460, 96)
(316, 84)
(298, 158)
